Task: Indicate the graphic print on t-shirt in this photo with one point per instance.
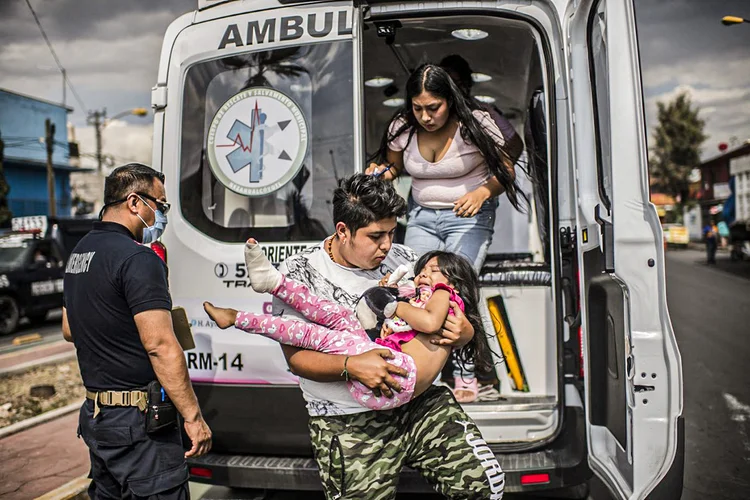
(314, 268)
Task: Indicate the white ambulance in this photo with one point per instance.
(261, 106)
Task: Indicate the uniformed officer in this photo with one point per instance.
(117, 313)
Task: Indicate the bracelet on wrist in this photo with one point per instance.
(345, 372)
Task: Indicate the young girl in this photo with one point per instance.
(443, 277)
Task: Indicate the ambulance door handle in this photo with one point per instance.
(608, 240)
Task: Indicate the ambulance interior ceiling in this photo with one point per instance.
(508, 55)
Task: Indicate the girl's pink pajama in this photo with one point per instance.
(335, 330)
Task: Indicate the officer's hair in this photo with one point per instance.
(127, 179)
(361, 199)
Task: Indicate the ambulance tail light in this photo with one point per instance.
(160, 249)
(201, 472)
(534, 478)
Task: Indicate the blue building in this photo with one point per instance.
(25, 159)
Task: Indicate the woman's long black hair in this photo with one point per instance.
(463, 278)
(436, 81)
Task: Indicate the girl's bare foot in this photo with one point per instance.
(223, 316)
(261, 273)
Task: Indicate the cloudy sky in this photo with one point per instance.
(110, 49)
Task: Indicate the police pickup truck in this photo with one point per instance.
(32, 263)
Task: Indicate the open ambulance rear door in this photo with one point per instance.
(633, 377)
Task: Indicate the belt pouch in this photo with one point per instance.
(161, 412)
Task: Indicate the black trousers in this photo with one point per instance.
(711, 251)
(128, 463)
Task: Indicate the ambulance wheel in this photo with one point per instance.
(9, 315)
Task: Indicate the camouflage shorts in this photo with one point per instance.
(360, 456)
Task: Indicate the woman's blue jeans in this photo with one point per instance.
(430, 229)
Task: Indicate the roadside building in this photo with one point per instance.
(22, 129)
(714, 190)
(739, 168)
(665, 206)
(737, 209)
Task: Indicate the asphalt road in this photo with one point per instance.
(49, 330)
(710, 310)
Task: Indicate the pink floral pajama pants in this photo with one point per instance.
(335, 330)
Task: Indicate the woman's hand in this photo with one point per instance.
(381, 171)
(469, 204)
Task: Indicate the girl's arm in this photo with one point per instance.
(430, 319)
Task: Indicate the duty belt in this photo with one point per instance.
(118, 398)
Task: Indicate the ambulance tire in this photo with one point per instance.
(9, 315)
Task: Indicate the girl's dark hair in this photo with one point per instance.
(436, 81)
(463, 278)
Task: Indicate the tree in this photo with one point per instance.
(676, 148)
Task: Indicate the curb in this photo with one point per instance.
(39, 419)
(72, 490)
(23, 367)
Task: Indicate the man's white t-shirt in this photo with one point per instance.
(315, 269)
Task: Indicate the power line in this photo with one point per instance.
(59, 64)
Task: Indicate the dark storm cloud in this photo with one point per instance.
(111, 51)
(69, 19)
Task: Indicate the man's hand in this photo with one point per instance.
(384, 280)
(200, 436)
(372, 370)
(457, 331)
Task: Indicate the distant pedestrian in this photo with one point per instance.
(117, 313)
(711, 235)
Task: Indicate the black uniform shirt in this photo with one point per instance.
(109, 279)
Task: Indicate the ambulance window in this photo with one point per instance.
(600, 79)
(265, 137)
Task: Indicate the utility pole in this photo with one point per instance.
(97, 119)
(49, 135)
(5, 214)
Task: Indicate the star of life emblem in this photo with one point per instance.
(257, 141)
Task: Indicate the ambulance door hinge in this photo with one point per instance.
(568, 278)
(608, 239)
(159, 97)
(567, 239)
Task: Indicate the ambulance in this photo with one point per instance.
(262, 106)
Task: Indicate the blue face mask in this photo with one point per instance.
(153, 233)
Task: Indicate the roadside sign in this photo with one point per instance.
(32, 222)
